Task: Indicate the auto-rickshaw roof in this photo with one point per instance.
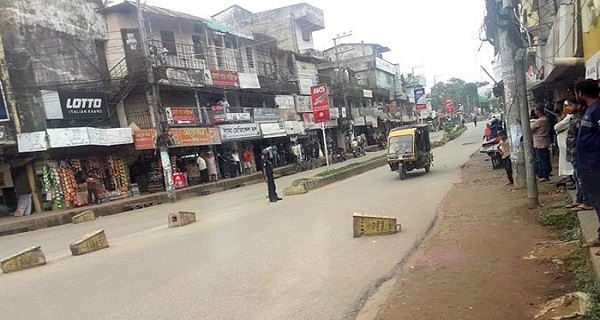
(406, 130)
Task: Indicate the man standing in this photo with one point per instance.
(588, 145)
(541, 143)
(247, 158)
(203, 169)
(92, 187)
(268, 176)
(505, 150)
(235, 156)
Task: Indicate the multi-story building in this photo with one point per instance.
(590, 24)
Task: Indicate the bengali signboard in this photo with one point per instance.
(285, 102)
(248, 81)
(196, 136)
(32, 141)
(239, 131)
(273, 130)
(266, 115)
(180, 115)
(144, 139)
(222, 78)
(294, 127)
(303, 104)
(68, 137)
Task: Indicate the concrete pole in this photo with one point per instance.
(527, 145)
(511, 112)
(339, 67)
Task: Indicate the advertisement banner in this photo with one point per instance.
(248, 81)
(144, 139)
(319, 96)
(368, 93)
(32, 141)
(239, 131)
(419, 93)
(222, 78)
(180, 115)
(449, 103)
(68, 137)
(83, 105)
(421, 106)
(285, 102)
(334, 113)
(196, 136)
(359, 121)
(310, 124)
(273, 130)
(294, 127)
(218, 115)
(238, 117)
(303, 104)
(266, 115)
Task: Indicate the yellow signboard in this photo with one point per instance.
(368, 225)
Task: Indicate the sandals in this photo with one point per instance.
(581, 207)
(572, 205)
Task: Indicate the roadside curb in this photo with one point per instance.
(588, 222)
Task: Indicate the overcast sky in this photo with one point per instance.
(441, 35)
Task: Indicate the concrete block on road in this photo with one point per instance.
(25, 259)
(87, 215)
(295, 190)
(89, 243)
(370, 225)
(181, 218)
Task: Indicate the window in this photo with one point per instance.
(249, 57)
(198, 28)
(168, 42)
(198, 50)
(306, 35)
(218, 40)
(230, 43)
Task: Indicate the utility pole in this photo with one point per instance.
(156, 110)
(339, 67)
(515, 100)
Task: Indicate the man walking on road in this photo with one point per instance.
(588, 146)
(268, 176)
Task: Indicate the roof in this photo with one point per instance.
(406, 129)
(229, 8)
(379, 48)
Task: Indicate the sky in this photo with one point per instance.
(440, 38)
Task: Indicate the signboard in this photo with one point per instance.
(449, 105)
(236, 117)
(196, 136)
(273, 130)
(294, 127)
(385, 66)
(144, 139)
(367, 93)
(309, 122)
(334, 113)
(319, 96)
(180, 115)
(303, 104)
(3, 105)
(267, 114)
(359, 121)
(68, 137)
(421, 106)
(592, 67)
(285, 102)
(32, 141)
(222, 78)
(239, 131)
(117, 136)
(248, 81)
(418, 94)
(83, 105)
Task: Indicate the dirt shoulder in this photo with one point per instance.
(471, 265)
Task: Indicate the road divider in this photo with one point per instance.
(28, 258)
(181, 218)
(87, 215)
(89, 243)
(370, 225)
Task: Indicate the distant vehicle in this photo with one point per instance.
(409, 148)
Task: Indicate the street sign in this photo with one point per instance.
(319, 96)
(449, 103)
(368, 225)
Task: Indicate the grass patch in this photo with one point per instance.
(558, 218)
(348, 166)
(585, 281)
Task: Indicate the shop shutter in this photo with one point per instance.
(137, 111)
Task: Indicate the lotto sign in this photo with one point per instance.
(319, 96)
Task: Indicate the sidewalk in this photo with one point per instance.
(588, 220)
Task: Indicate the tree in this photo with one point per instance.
(459, 90)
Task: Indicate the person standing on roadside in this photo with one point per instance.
(246, 159)
(504, 146)
(268, 176)
(541, 143)
(588, 145)
(203, 169)
(92, 188)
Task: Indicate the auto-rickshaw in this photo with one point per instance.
(409, 148)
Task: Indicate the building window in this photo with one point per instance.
(218, 40)
(198, 51)
(249, 57)
(230, 43)
(198, 28)
(306, 35)
(168, 42)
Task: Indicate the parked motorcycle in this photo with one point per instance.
(358, 151)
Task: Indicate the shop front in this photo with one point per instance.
(71, 155)
(240, 137)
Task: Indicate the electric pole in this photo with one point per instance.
(339, 67)
(156, 110)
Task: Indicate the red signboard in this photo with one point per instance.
(421, 106)
(177, 115)
(319, 96)
(144, 139)
(225, 78)
(449, 103)
(196, 136)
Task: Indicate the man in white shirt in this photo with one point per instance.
(203, 169)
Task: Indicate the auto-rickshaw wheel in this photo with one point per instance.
(402, 171)
(427, 167)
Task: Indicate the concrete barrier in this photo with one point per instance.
(89, 243)
(25, 259)
(181, 219)
(369, 225)
(87, 215)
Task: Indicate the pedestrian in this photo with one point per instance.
(504, 147)
(247, 158)
(211, 166)
(565, 169)
(267, 167)
(487, 134)
(588, 145)
(475, 121)
(92, 188)
(541, 143)
(574, 107)
(203, 169)
(236, 162)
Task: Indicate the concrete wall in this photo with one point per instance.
(52, 43)
(116, 22)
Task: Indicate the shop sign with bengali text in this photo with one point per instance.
(303, 104)
(196, 136)
(273, 130)
(319, 96)
(285, 102)
(144, 139)
(241, 131)
(222, 78)
(181, 115)
(266, 114)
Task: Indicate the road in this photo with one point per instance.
(243, 259)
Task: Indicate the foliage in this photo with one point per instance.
(459, 90)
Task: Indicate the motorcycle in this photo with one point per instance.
(358, 151)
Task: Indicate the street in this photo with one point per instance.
(243, 259)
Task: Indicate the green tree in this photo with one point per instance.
(459, 90)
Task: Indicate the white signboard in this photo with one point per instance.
(110, 137)
(234, 117)
(303, 104)
(68, 137)
(239, 131)
(272, 130)
(359, 120)
(385, 66)
(32, 141)
(334, 113)
(591, 67)
(285, 102)
(367, 93)
(249, 81)
(294, 127)
(98, 137)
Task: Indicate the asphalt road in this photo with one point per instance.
(243, 259)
